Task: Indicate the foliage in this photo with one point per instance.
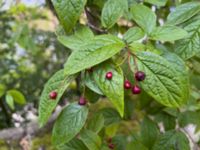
(122, 37)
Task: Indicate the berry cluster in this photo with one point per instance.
(139, 76)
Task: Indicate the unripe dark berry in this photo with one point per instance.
(111, 146)
(53, 95)
(127, 84)
(140, 76)
(82, 101)
(89, 70)
(136, 89)
(109, 75)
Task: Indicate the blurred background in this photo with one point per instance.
(29, 55)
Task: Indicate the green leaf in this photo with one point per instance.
(91, 84)
(112, 11)
(136, 145)
(2, 90)
(96, 123)
(168, 33)
(190, 46)
(10, 101)
(133, 34)
(120, 142)
(99, 49)
(79, 39)
(69, 12)
(58, 83)
(144, 17)
(149, 132)
(183, 12)
(172, 140)
(111, 116)
(74, 144)
(69, 123)
(163, 82)
(113, 88)
(90, 139)
(157, 2)
(17, 96)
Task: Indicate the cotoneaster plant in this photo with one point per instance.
(131, 61)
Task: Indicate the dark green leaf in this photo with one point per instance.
(162, 33)
(69, 12)
(90, 139)
(172, 140)
(113, 88)
(144, 17)
(190, 46)
(96, 123)
(133, 34)
(163, 82)
(110, 116)
(157, 2)
(91, 84)
(69, 123)
(58, 83)
(149, 132)
(183, 12)
(2, 90)
(112, 11)
(74, 144)
(99, 49)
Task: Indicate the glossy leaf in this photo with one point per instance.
(162, 81)
(112, 11)
(183, 12)
(90, 139)
(69, 123)
(133, 34)
(144, 17)
(113, 88)
(99, 49)
(69, 12)
(172, 140)
(79, 39)
(58, 83)
(168, 33)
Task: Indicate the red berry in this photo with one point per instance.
(109, 75)
(127, 84)
(140, 76)
(53, 95)
(111, 146)
(82, 101)
(136, 89)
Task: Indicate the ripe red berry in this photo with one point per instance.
(140, 76)
(111, 146)
(53, 95)
(82, 101)
(127, 84)
(136, 89)
(109, 75)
